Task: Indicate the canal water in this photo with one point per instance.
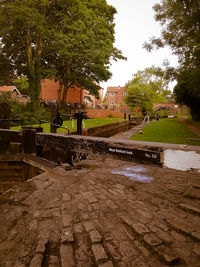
(182, 160)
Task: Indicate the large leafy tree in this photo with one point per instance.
(82, 45)
(23, 24)
(147, 87)
(69, 40)
(181, 31)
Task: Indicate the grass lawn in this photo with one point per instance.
(88, 124)
(166, 131)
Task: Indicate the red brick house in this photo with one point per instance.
(75, 96)
(115, 98)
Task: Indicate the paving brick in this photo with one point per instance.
(36, 260)
(90, 197)
(180, 226)
(127, 249)
(142, 248)
(112, 248)
(99, 253)
(66, 255)
(162, 226)
(84, 217)
(33, 225)
(41, 246)
(53, 261)
(82, 254)
(190, 208)
(78, 228)
(89, 226)
(197, 249)
(168, 255)
(196, 235)
(178, 237)
(95, 236)
(152, 240)
(126, 219)
(67, 236)
(106, 264)
(66, 197)
(139, 228)
(160, 234)
(120, 186)
(67, 220)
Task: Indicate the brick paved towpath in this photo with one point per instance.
(95, 215)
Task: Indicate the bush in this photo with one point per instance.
(110, 115)
(25, 113)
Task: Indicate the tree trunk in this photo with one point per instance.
(64, 96)
(31, 69)
(38, 69)
(59, 93)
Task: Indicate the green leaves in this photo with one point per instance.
(68, 40)
(146, 87)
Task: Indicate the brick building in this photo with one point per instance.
(115, 98)
(75, 96)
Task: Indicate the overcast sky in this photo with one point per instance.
(135, 24)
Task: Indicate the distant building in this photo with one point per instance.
(115, 98)
(14, 93)
(76, 97)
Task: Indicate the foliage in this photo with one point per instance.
(5, 97)
(181, 31)
(22, 85)
(187, 91)
(146, 87)
(165, 131)
(24, 112)
(71, 41)
(82, 45)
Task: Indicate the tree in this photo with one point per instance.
(181, 31)
(187, 91)
(71, 40)
(146, 87)
(82, 45)
(23, 28)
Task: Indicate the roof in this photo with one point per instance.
(10, 88)
(113, 89)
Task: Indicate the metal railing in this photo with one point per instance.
(56, 125)
(14, 120)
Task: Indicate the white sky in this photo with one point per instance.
(135, 24)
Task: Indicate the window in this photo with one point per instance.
(125, 94)
(111, 103)
(112, 94)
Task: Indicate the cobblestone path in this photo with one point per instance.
(95, 215)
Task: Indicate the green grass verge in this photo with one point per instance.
(166, 131)
(88, 124)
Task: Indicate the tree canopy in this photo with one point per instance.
(147, 87)
(68, 40)
(181, 31)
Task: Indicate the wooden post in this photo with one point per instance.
(4, 116)
(54, 112)
(29, 140)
